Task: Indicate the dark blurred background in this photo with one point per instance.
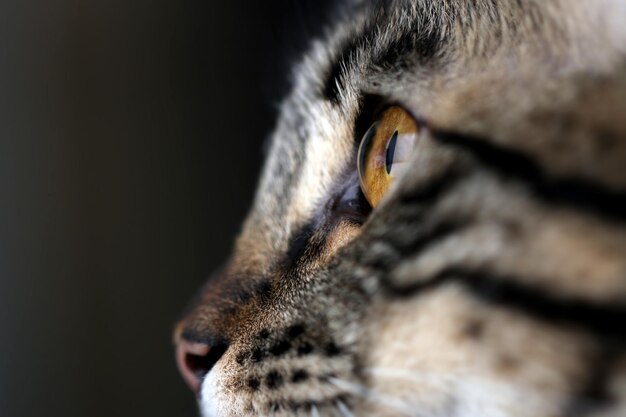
(130, 144)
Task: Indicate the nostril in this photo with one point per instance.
(195, 360)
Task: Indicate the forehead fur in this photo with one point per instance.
(419, 52)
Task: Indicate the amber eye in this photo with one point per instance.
(385, 151)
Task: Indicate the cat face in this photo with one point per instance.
(484, 278)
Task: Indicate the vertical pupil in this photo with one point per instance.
(391, 148)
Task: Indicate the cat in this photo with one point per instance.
(439, 225)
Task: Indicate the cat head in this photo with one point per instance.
(471, 283)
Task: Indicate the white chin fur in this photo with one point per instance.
(215, 400)
(209, 395)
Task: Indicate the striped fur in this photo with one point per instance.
(491, 281)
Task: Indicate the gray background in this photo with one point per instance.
(130, 142)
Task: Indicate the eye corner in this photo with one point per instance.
(351, 204)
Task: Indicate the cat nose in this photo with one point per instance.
(195, 360)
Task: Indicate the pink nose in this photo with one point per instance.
(195, 360)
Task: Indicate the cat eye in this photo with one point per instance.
(384, 152)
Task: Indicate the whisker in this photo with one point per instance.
(417, 377)
(314, 411)
(343, 409)
(274, 410)
(428, 377)
(371, 395)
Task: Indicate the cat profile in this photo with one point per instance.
(439, 226)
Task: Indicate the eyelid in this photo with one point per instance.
(371, 107)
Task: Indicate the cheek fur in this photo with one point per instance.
(343, 234)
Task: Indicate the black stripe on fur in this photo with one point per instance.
(604, 320)
(579, 193)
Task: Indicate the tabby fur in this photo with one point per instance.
(491, 281)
